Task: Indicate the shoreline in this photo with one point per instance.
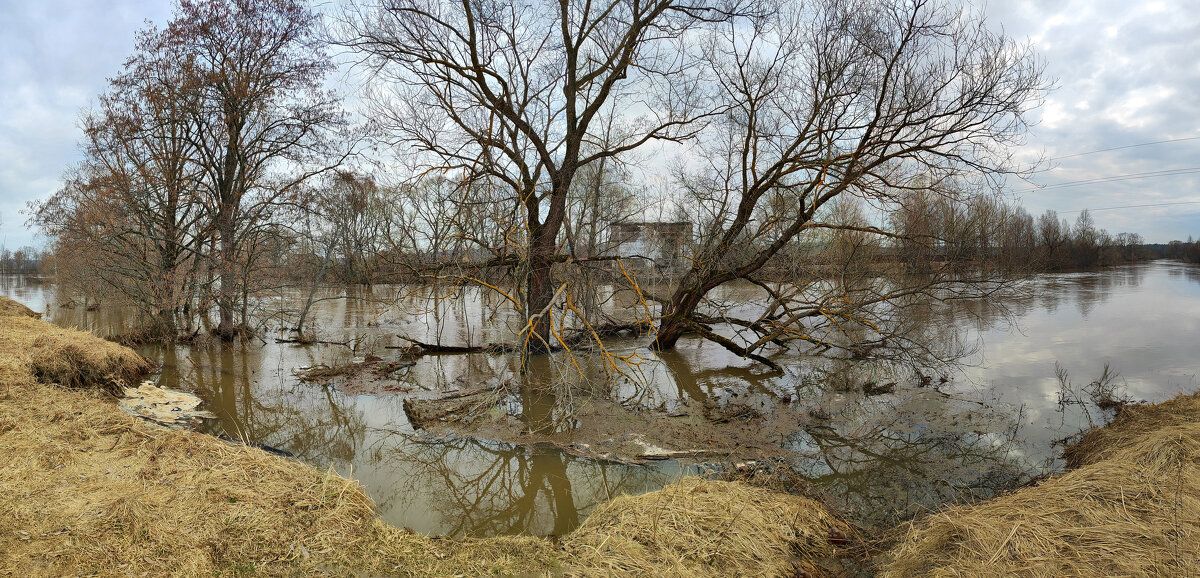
(88, 489)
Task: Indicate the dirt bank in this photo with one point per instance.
(1130, 508)
(87, 489)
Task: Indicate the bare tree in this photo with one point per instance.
(133, 205)
(1052, 235)
(262, 118)
(511, 96)
(864, 98)
(354, 213)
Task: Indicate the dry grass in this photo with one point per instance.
(1136, 512)
(1131, 424)
(87, 489)
(10, 308)
(705, 528)
(65, 356)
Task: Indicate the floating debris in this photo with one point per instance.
(166, 407)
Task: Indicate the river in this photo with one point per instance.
(880, 458)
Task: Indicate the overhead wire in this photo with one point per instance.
(1123, 177)
(1125, 147)
(1130, 207)
(1116, 178)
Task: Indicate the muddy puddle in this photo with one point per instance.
(551, 442)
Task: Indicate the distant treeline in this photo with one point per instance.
(1187, 251)
(929, 231)
(23, 261)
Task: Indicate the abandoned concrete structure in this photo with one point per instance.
(662, 246)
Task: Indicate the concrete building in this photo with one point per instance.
(661, 246)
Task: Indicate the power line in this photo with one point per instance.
(1129, 207)
(1115, 178)
(1144, 144)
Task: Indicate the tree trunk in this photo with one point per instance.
(312, 292)
(543, 242)
(676, 315)
(227, 295)
(541, 292)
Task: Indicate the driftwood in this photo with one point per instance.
(307, 341)
(422, 348)
(676, 455)
(322, 373)
(460, 406)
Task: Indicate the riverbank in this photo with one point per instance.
(87, 489)
(1130, 506)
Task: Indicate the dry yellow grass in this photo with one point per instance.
(10, 308)
(705, 528)
(86, 489)
(1135, 511)
(1131, 424)
(65, 356)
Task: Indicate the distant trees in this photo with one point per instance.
(1062, 245)
(23, 261)
(1187, 251)
(354, 214)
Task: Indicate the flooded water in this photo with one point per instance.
(878, 458)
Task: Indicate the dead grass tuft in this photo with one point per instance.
(1130, 510)
(704, 528)
(68, 357)
(10, 308)
(1130, 425)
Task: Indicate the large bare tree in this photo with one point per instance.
(133, 205)
(263, 118)
(830, 99)
(512, 96)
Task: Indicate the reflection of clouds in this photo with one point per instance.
(1142, 319)
(881, 456)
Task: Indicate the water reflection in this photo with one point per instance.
(886, 460)
(488, 488)
(882, 458)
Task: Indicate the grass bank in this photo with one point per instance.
(1129, 506)
(87, 489)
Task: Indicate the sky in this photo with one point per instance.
(1126, 74)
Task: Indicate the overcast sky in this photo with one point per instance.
(1128, 73)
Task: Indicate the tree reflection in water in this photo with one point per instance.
(885, 477)
(482, 488)
(881, 458)
(314, 423)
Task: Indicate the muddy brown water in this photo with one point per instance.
(878, 459)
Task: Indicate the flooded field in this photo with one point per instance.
(878, 447)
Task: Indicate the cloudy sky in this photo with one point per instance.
(1128, 74)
